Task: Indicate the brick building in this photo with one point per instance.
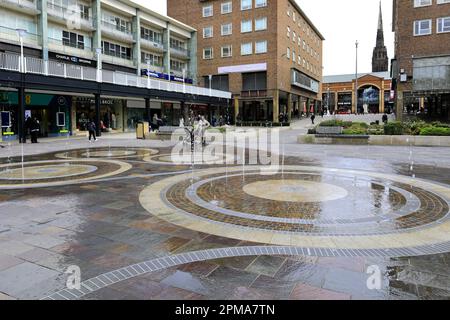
(421, 67)
(266, 52)
(374, 93)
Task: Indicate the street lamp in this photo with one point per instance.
(210, 84)
(21, 33)
(98, 51)
(356, 77)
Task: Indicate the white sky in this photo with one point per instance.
(341, 23)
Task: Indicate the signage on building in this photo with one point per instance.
(257, 67)
(301, 80)
(163, 76)
(73, 59)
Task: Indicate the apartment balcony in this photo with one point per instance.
(24, 6)
(152, 68)
(180, 53)
(71, 16)
(82, 51)
(114, 31)
(29, 40)
(152, 45)
(118, 61)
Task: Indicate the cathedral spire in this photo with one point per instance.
(380, 61)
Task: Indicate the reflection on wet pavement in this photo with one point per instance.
(101, 226)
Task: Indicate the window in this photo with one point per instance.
(288, 53)
(254, 81)
(261, 24)
(227, 7)
(227, 29)
(227, 51)
(208, 32)
(246, 26)
(246, 49)
(208, 53)
(115, 50)
(151, 58)
(151, 35)
(422, 27)
(422, 3)
(294, 37)
(293, 56)
(246, 4)
(208, 11)
(288, 32)
(177, 65)
(261, 47)
(73, 40)
(443, 25)
(443, 1)
(260, 3)
(293, 16)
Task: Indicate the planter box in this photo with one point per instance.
(329, 130)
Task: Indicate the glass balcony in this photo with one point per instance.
(117, 32)
(27, 6)
(30, 39)
(180, 52)
(71, 15)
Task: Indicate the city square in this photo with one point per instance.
(233, 150)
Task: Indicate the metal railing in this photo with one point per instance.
(72, 14)
(11, 62)
(107, 25)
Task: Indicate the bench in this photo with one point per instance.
(329, 130)
(342, 139)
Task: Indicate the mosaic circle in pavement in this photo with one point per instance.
(47, 172)
(305, 206)
(50, 173)
(111, 153)
(187, 158)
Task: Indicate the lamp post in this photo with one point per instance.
(98, 52)
(21, 33)
(148, 73)
(356, 77)
(210, 84)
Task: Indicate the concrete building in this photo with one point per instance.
(421, 67)
(374, 93)
(109, 59)
(268, 53)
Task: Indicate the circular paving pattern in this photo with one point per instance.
(47, 172)
(187, 158)
(110, 153)
(50, 173)
(306, 206)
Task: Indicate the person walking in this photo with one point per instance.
(34, 130)
(92, 128)
(385, 118)
(313, 117)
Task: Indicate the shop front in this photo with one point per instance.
(344, 103)
(111, 113)
(51, 111)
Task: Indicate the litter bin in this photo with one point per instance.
(142, 129)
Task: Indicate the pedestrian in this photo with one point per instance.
(313, 117)
(27, 128)
(34, 130)
(385, 118)
(92, 128)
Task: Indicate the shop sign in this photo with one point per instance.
(301, 80)
(73, 59)
(5, 119)
(163, 76)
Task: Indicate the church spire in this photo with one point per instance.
(380, 61)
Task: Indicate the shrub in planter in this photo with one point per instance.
(312, 131)
(440, 124)
(435, 131)
(331, 123)
(347, 124)
(393, 129)
(414, 127)
(355, 131)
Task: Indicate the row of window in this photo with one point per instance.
(260, 47)
(301, 61)
(424, 27)
(246, 26)
(302, 43)
(425, 3)
(302, 24)
(227, 7)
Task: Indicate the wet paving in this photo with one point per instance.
(95, 219)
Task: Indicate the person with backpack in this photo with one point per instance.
(92, 128)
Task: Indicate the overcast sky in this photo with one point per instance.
(341, 23)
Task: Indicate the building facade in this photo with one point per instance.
(106, 41)
(266, 52)
(380, 61)
(421, 67)
(374, 93)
